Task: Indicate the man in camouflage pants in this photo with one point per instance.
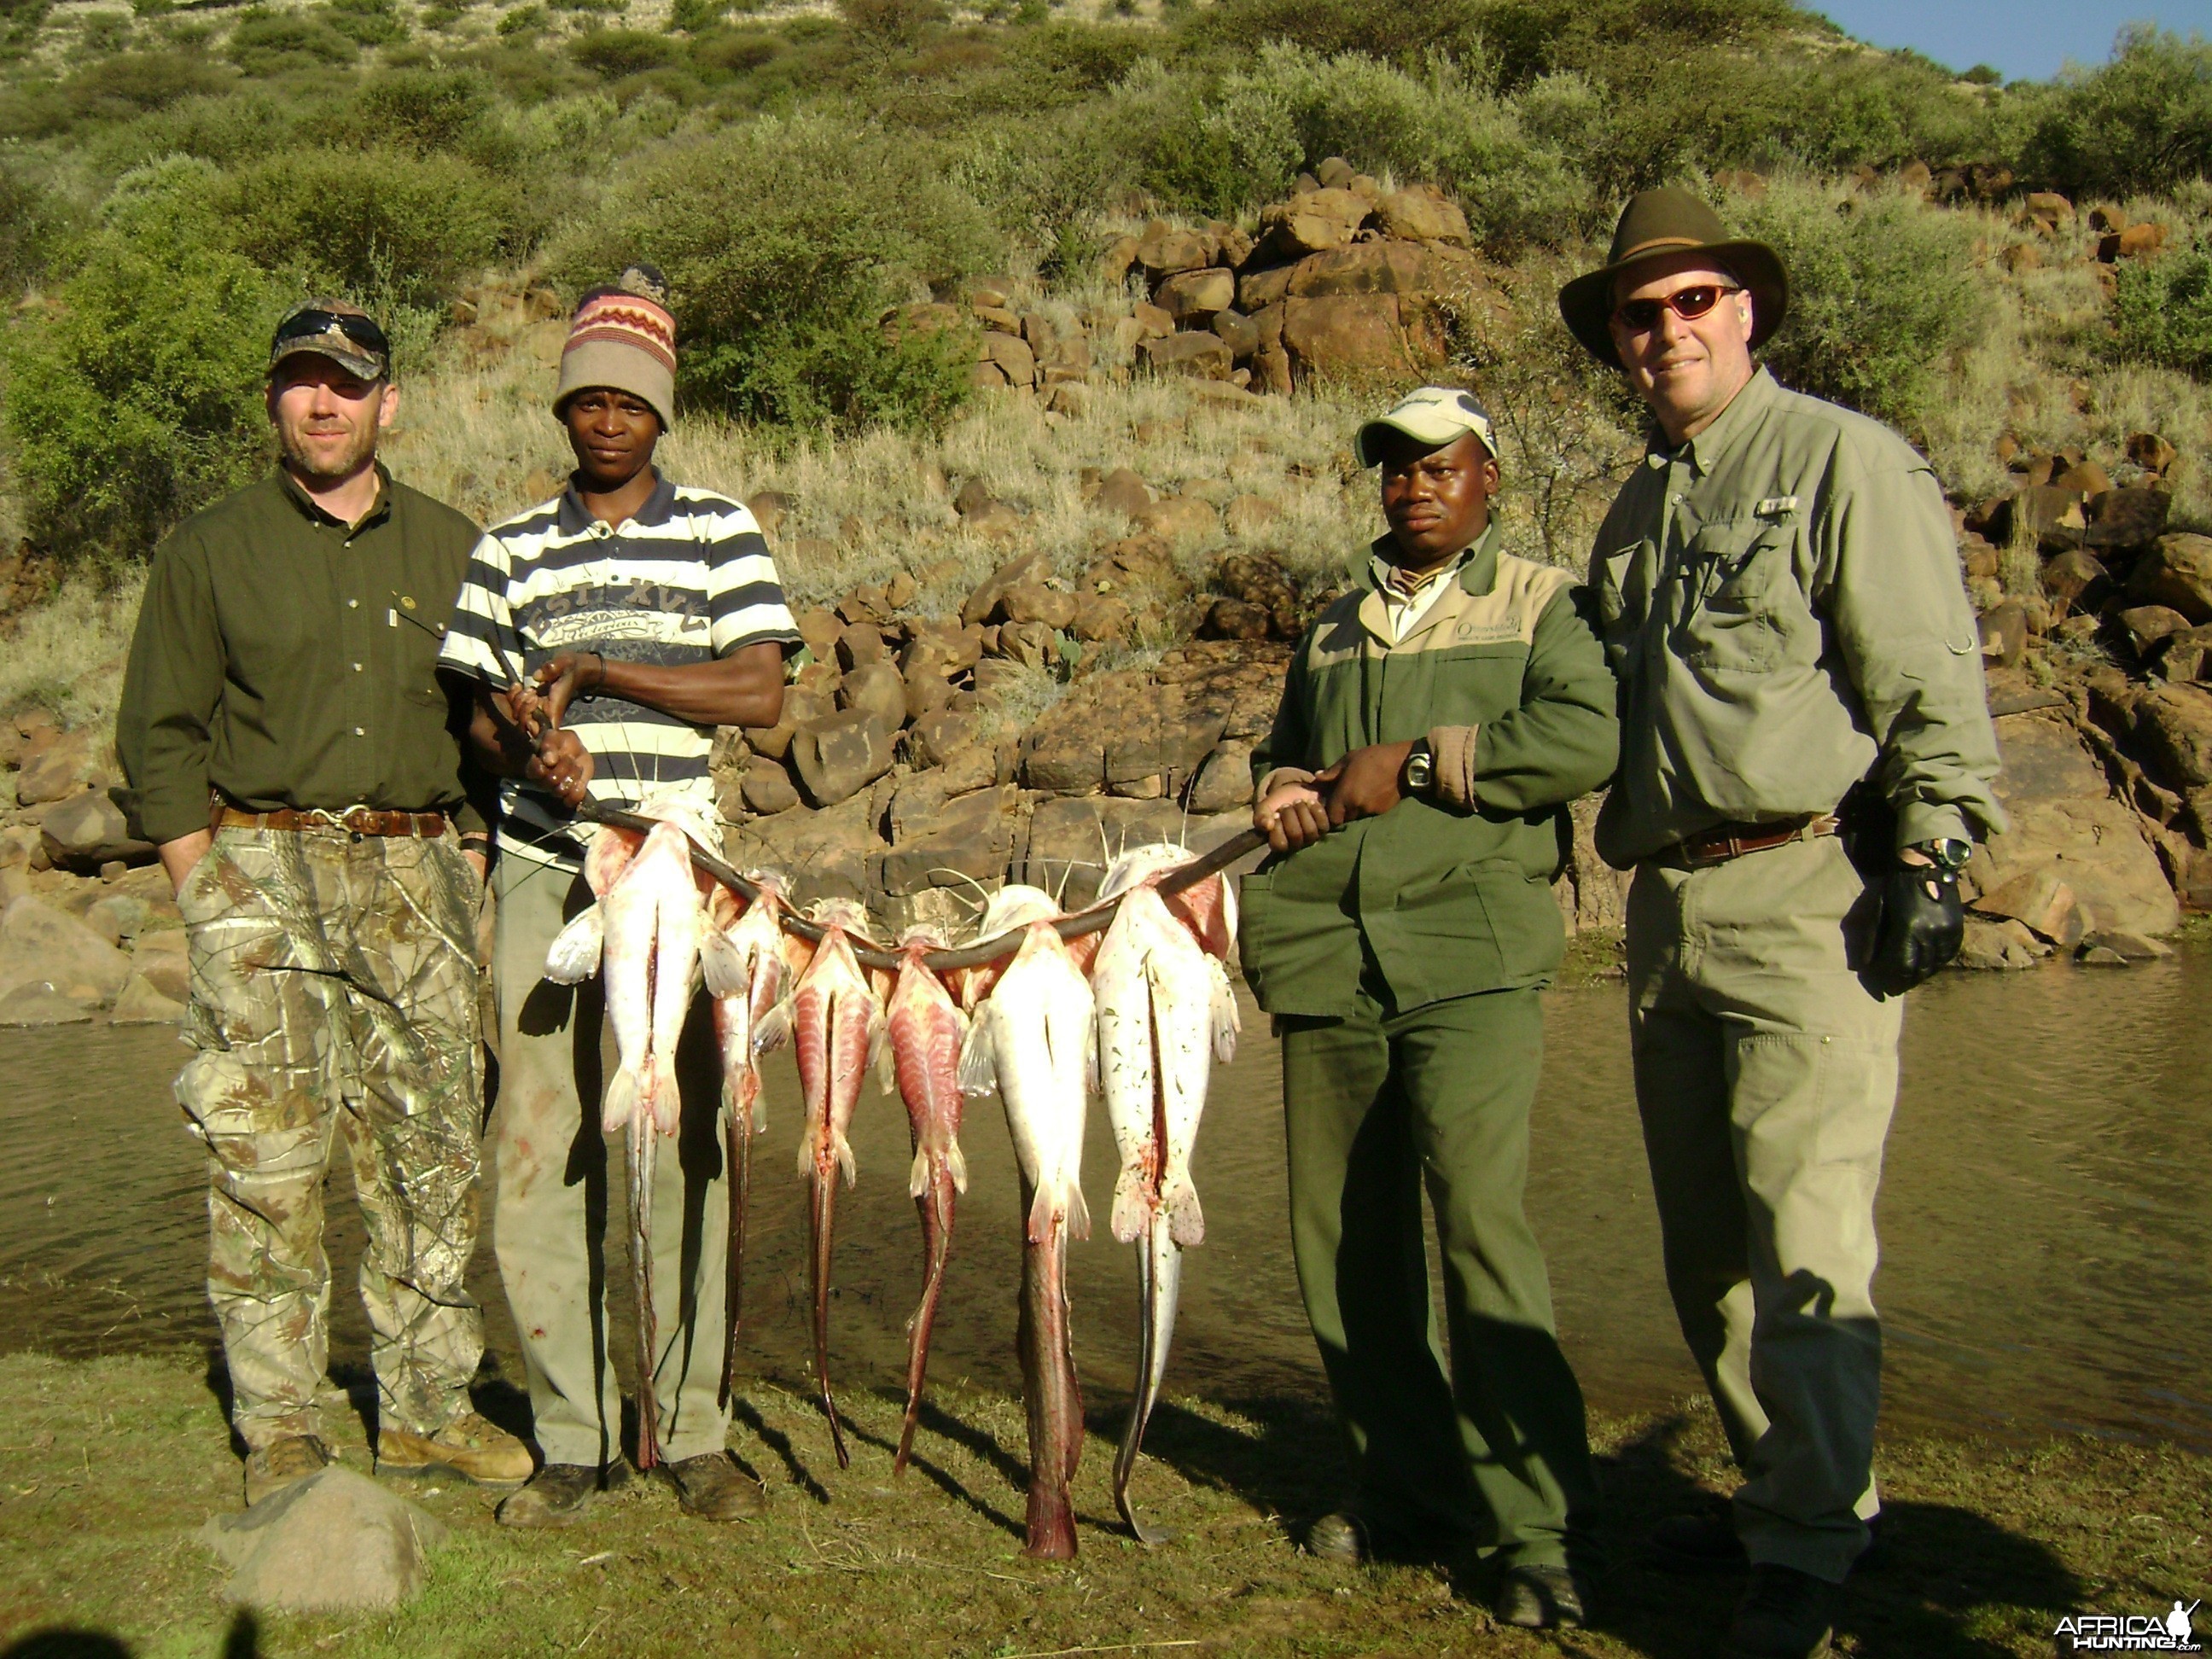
(287, 742)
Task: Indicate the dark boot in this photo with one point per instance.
(1702, 1541)
(1785, 1614)
(276, 1466)
(1539, 1598)
(558, 1494)
(714, 1488)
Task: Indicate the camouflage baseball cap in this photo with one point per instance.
(344, 333)
(1433, 415)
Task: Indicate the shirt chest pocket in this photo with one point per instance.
(1746, 608)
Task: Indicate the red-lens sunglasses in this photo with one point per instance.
(1642, 316)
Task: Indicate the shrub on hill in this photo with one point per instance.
(2141, 123)
(34, 223)
(137, 397)
(409, 225)
(2162, 310)
(136, 82)
(267, 43)
(1882, 290)
(784, 242)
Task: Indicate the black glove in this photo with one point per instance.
(1924, 922)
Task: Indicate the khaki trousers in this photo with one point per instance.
(1490, 1450)
(553, 1168)
(334, 994)
(1766, 1074)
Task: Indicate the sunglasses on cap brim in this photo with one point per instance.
(1642, 316)
(311, 324)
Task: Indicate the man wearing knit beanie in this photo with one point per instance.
(625, 619)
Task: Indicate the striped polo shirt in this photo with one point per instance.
(688, 579)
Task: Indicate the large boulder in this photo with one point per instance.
(1196, 295)
(70, 763)
(1200, 354)
(1361, 334)
(334, 1542)
(983, 603)
(1071, 841)
(40, 944)
(2067, 832)
(875, 688)
(87, 830)
(1422, 213)
(1312, 220)
(2174, 727)
(163, 961)
(2177, 572)
(941, 843)
(825, 853)
(1374, 268)
(1162, 251)
(1121, 732)
(837, 757)
(40, 1004)
(142, 1003)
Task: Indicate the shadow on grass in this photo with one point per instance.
(742, 1411)
(241, 1641)
(979, 1443)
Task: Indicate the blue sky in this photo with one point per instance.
(2025, 38)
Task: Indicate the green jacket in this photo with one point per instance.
(285, 660)
(1452, 894)
(1780, 597)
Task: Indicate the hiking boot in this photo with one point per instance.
(468, 1446)
(1702, 1542)
(1340, 1537)
(1539, 1598)
(276, 1466)
(1785, 1614)
(714, 1488)
(558, 1494)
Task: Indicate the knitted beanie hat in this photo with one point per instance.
(623, 338)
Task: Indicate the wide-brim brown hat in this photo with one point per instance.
(1667, 221)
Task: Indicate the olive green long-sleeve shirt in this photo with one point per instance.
(1781, 601)
(285, 660)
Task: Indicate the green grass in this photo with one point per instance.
(107, 1468)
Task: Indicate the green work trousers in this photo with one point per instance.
(553, 1171)
(1492, 1450)
(1766, 1074)
(334, 996)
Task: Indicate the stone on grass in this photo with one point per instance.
(1122, 491)
(2177, 572)
(334, 1542)
(1203, 356)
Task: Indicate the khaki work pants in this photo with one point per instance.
(1766, 1074)
(554, 1171)
(1491, 1449)
(294, 935)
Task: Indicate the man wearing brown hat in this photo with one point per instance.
(623, 621)
(1780, 597)
(290, 750)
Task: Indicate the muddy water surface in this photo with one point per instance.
(2045, 1216)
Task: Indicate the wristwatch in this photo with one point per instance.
(1949, 856)
(1421, 773)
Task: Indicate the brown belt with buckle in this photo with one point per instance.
(1724, 841)
(355, 820)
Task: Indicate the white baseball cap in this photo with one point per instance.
(1433, 415)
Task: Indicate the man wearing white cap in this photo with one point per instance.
(1435, 723)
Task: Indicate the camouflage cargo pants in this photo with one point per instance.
(334, 991)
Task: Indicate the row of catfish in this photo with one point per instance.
(1138, 1011)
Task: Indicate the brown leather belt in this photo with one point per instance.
(1724, 841)
(355, 820)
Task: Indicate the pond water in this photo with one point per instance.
(2044, 1216)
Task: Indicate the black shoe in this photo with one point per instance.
(1704, 1541)
(1785, 1614)
(714, 1488)
(1539, 1598)
(558, 1494)
(1341, 1536)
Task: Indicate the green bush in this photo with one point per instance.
(1882, 290)
(368, 23)
(411, 225)
(2162, 310)
(613, 54)
(694, 17)
(785, 241)
(523, 19)
(137, 398)
(34, 223)
(2142, 123)
(273, 43)
(428, 111)
(118, 89)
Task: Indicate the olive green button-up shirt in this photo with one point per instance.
(284, 659)
(1780, 598)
